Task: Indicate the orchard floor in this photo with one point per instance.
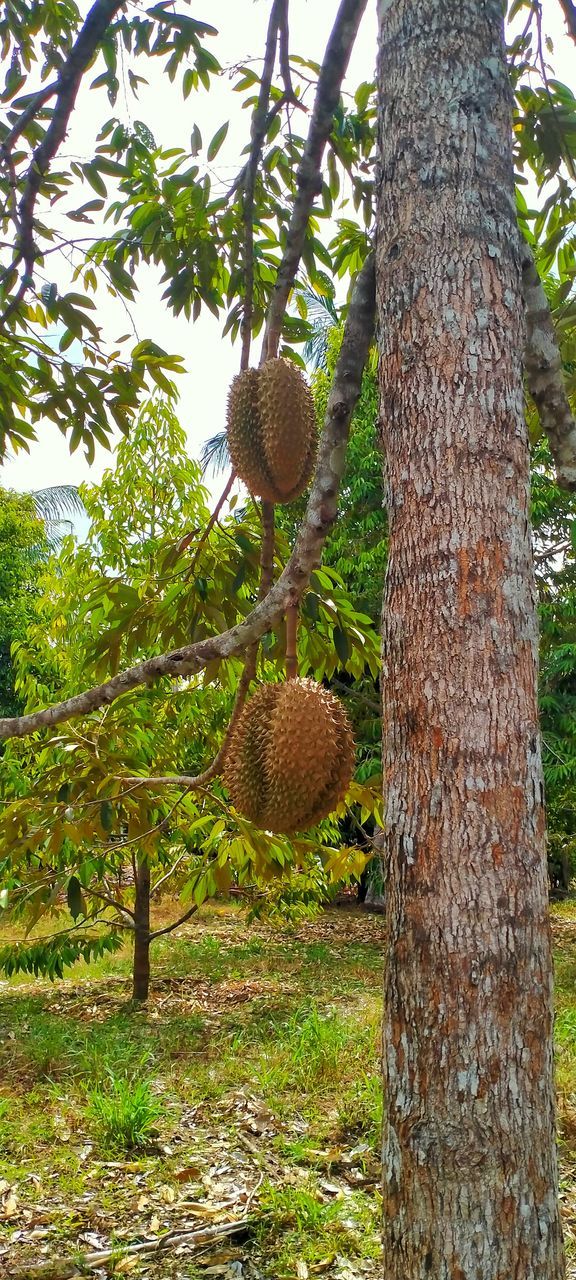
(260, 1047)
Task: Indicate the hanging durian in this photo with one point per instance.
(271, 429)
(291, 757)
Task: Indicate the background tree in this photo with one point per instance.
(23, 547)
(81, 815)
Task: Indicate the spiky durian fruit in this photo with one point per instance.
(291, 756)
(244, 432)
(271, 430)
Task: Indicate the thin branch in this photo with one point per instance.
(349, 692)
(285, 53)
(275, 109)
(170, 780)
(543, 365)
(197, 782)
(320, 516)
(112, 902)
(212, 521)
(258, 133)
(170, 872)
(169, 928)
(65, 1268)
(267, 550)
(292, 642)
(519, 41)
(563, 149)
(561, 548)
(309, 176)
(81, 55)
(135, 840)
(60, 933)
(28, 114)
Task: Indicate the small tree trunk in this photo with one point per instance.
(470, 1182)
(141, 966)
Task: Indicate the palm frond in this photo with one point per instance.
(214, 454)
(54, 503)
(323, 316)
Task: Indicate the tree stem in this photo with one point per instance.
(292, 642)
(141, 966)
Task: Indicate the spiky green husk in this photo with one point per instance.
(271, 430)
(291, 757)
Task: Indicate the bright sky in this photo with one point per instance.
(211, 361)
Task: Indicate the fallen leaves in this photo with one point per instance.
(170, 1210)
(9, 1203)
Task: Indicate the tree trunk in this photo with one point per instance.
(469, 1146)
(141, 966)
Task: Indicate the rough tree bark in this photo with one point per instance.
(469, 1146)
(142, 936)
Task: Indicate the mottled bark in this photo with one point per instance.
(569, 10)
(141, 960)
(469, 1147)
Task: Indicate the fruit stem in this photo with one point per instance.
(291, 642)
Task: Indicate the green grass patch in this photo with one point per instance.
(124, 1111)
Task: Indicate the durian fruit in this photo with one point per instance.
(271, 429)
(244, 430)
(291, 756)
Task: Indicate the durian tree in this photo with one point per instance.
(78, 831)
(470, 1182)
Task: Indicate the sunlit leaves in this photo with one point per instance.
(94, 389)
(137, 587)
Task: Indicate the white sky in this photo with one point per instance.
(211, 361)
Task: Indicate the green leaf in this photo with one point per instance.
(217, 141)
(107, 815)
(74, 897)
(312, 606)
(95, 179)
(341, 644)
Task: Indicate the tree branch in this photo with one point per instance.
(569, 10)
(212, 521)
(309, 177)
(543, 365)
(267, 550)
(258, 134)
(292, 642)
(306, 556)
(77, 62)
(285, 53)
(169, 928)
(28, 114)
(65, 1268)
(198, 781)
(113, 902)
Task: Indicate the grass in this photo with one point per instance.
(253, 1071)
(299, 1225)
(124, 1111)
(252, 1078)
